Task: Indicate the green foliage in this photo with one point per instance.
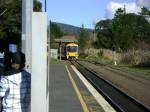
(59, 29)
(83, 37)
(98, 58)
(10, 21)
(37, 6)
(123, 31)
(10, 25)
(54, 61)
(71, 30)
(145, 12)
(55, 32)
(104, 33)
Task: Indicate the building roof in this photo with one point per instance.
(70, 37)
(67, 39)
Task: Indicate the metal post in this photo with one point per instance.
(27, 9)
(45, 6)
(60, 52)
(114, 58)
(94, 35)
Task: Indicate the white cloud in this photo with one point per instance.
(113, 6)
(143, 3)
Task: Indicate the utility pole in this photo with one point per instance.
(94, 32)
(27, 9)
(94, 35)
(45, 5)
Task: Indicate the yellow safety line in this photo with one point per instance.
(84, 106)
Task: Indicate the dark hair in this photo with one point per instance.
(19, 58)
(23, 60)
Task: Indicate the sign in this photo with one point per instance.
(54, 53)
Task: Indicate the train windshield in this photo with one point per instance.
(71, 48)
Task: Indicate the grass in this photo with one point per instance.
(54, 61)
(139, 69)
(129, 67)
(135, 69)
(98, 58)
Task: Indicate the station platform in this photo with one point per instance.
(71, 93)
(62, 94)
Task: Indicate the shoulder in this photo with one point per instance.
(11, 79)
(26, 75)
(3, 79)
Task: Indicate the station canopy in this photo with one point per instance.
(67, 39)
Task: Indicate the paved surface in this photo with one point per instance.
(62, 95)
(90, 101)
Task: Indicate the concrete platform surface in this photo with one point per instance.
(62, 95)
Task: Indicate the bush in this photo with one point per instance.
(137, 58)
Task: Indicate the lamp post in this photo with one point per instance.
(45, 5)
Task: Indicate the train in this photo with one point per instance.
(71, 51)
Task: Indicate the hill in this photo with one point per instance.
(70, 29)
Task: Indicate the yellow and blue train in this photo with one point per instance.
(71, 50)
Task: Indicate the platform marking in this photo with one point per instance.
(99, 98)
(84, 106)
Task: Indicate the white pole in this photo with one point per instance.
(94, 35)
(60, 52)
(114, 58)
(27, 9)
(39, 82)
(34, 45)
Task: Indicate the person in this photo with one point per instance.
(6, 67)
(15, 86)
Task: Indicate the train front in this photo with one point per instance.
(72, 51)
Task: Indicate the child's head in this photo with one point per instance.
(18, 61)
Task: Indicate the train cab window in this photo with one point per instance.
(72, 48)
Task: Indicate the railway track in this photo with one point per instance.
(114, 69)
(118, 99)
(125, 73)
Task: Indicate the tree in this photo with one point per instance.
(83, 37)
(144, 12)
(55, 32)
(104, 33)
(124, 31)
(103, 24)
(37, 6)
(10, 21)
(117, 29)
(10, 25)
(128, 28)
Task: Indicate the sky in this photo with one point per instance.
(88, 12)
